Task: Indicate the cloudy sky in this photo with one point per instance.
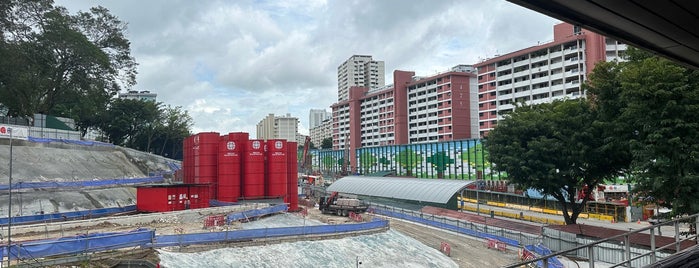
(230, 63)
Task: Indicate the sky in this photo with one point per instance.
(231, 63)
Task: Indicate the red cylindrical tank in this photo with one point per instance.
(230, 155)
(205, 160)
(276, 168)
(292, 176)
(254, 170)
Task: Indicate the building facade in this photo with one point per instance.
(411, 110)
(321, 132)
(278, 127)
(144, 95)
(541, 73)
(317, 116)
(359, 71)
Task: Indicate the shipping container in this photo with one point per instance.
(171, 197)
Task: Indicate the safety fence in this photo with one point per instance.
(85, 243)
(93, 213)
(73, 184)
(255, 213)
(245, 235)
(72, 140)
(88, 243)
(533, 251)
(483, 231)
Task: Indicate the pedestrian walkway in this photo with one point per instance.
(549, 219)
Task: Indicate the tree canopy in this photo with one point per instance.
(558, 148)
(653, 104)
(61, 64)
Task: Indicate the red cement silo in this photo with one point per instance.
(254, 170)
(292, 191)
(230, 155)
(276, 168)
(206, 160)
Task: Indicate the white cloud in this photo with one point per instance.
(230, 63)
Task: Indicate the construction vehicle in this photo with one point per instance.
(306, 158)
(334, 204)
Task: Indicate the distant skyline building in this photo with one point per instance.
(359, 71)
(317, 116)
(278, 127)
(144, 95)
(321, 132)
(542, 73)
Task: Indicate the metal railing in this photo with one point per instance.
(627, 258)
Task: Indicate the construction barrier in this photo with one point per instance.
(445, 248)
(255, 213)
(495, 244)
(246, 235)
(440, 225)
(539, 251)
(83, 214)
(85, 243)
(355, 216)
(81, 184)
(214, 220)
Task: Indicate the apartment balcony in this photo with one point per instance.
(540, 80)
(522, 94)
(506, 106)
(504, 77)
(521, 63)
(505, 96)
(556, 76)
(504, 67)
(542, 90)
(573, 84)
(555, 54)
(556, 65)
(521, 83)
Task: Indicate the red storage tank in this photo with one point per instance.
(254, 170)
(230, 155)
(205, 160)
(276, 168)
(292, 173)
(187, 165)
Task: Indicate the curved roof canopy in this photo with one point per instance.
(426, 190)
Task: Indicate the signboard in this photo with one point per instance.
(19, 133)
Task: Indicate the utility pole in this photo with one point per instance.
(9, 209)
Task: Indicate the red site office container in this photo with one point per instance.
(230, 155)
(171, 197)
(253, 177)
(205, 160)
(276, 179)
(292, 170)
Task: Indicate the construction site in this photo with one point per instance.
(98, 205)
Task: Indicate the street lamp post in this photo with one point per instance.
(9, 206)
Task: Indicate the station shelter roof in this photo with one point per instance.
(425, 190)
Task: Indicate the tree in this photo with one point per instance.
(408, 159)
(60, 64)
(440, 161)
(327, 143)
(557, 148)
(126, 120)
(652, 103)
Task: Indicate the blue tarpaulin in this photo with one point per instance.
(100, 212)
(78, 142)
(255, 213)
(541, 250)
(72, 184)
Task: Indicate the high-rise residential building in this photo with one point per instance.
(541, 73)
(278, 127)
(321, 132)
(411, 110)
(359, 71)
(317, 116)
(139, 95)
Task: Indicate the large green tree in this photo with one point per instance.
(653, 104)
(327, 143)
(61, 64)
(126, 120)
(557, 148)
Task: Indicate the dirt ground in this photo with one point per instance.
(465, 251)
